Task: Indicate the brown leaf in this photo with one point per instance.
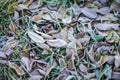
(38, 16)
(12, 27)
(17, 68)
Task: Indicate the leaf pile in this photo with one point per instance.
(60, 39)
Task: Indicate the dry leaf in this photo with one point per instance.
(47, 17)
(7, 50)
(83, 68)
(57, 42)
(27, 62)
(2, 55)
(38, 16)
(21, 6)
(90, 13)
(104, 10)
(70, 34)
(117, 61)
(71, 63)
(63, 33)
(107, 17)
(103, 59)
(17, 68)
(35, 37)
(12, 27)
(71, 49)
(44, 35)
(43, 46)
(67, 20)
(114, 6)
(35, 77)
(107, 26)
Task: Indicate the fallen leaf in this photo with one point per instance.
(27, 62)
(56, 43)
(71, 49)
(12, 27)
(47, 17)
(70, 77)
(2, 55)
(115, 75)
(107, 26)
(35, 37)
(67, 20)
(83, 68)
(44, 35)
(62, 63)
(43, 46)
(90, 13)
(114, 6)
(22, 6)
(107, 17)
(117, 61)
(38, 16)
(16, 68)
(63, 33)
(70, 34)
(104, 10)
(35, 77)
(103, 59)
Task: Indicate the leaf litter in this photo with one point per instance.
(60, 40)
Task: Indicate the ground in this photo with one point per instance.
(59, 39)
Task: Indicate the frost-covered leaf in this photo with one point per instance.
(104, 10)
(16, 68)
(35, 37)
(35, 77)
(2, 55)
(90, 13)
(107, 26)
(67, 20)
(56, 42)
(27, 62)
(117, 61)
